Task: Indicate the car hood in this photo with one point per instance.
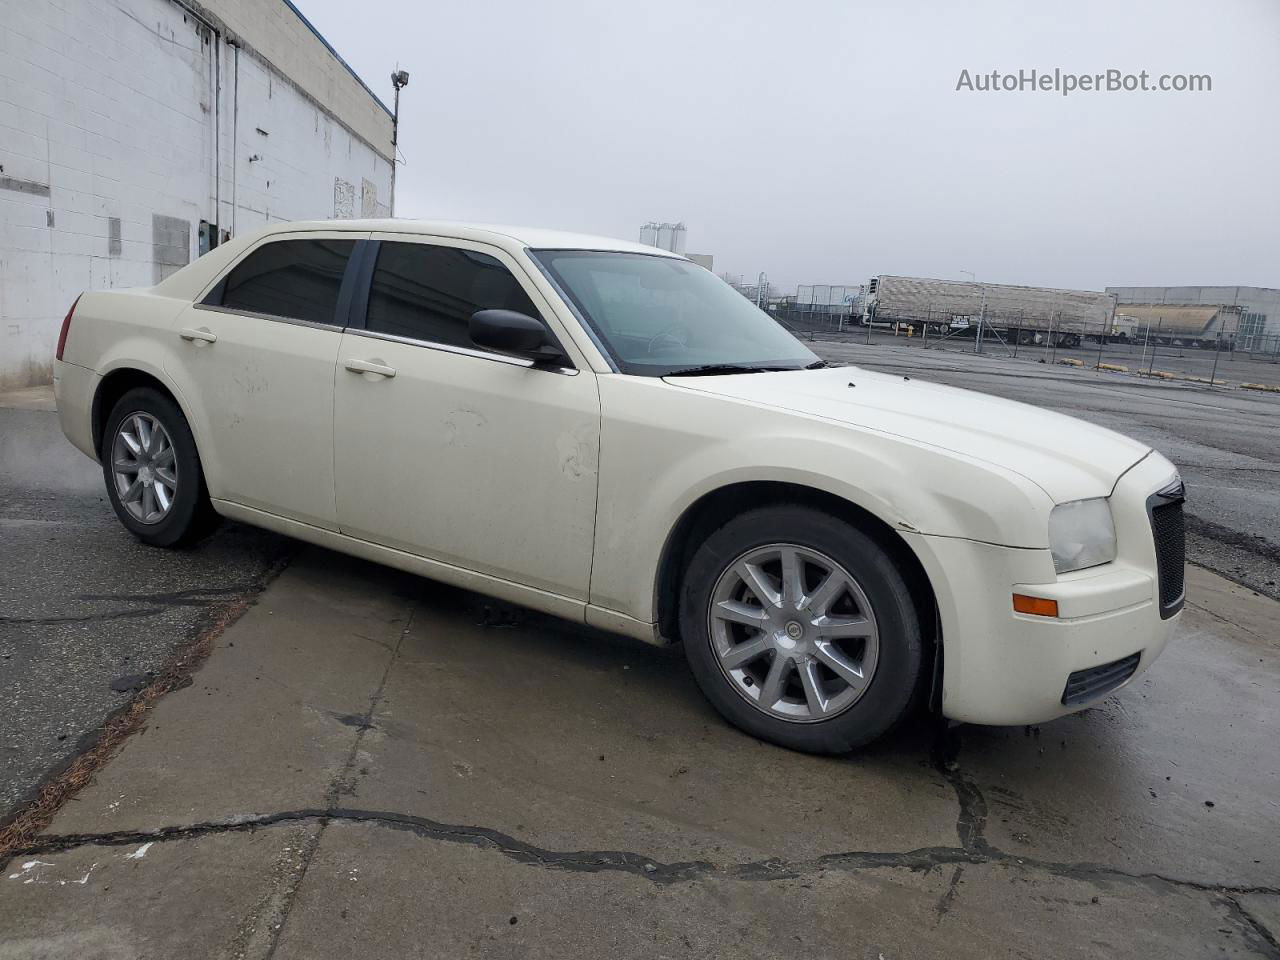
(1067, 458)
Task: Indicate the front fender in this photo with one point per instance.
(663, 449)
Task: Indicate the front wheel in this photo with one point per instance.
(152, 471)
(800, 629)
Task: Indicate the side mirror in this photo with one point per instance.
(510, 332)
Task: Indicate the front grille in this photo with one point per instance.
(1168, 531)
(1085, 685)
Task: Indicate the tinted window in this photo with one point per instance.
(298, 279)
(429, 293)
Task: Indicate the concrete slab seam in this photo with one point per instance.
(339, 785)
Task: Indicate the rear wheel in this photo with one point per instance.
(800, 630)
(152, 471)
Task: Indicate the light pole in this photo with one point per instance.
(399, 80)
(982, 312)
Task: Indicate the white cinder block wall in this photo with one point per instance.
(115, 116)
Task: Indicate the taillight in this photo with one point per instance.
(66, 328)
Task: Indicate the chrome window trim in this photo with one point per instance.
(460, 351)
(271, 317)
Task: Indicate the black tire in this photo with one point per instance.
(191, 516)
(896, 681)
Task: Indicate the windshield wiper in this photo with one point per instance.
(710, 369)
(816, 365)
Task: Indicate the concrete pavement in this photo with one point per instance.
(372, 765)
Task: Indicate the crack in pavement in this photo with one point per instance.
(971, 821)
(953, 888)
(181, 598)
(85, 618)
(1263, 941)
(198, 597)
(919, 860)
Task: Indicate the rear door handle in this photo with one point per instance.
(368, 366)
(198, 333)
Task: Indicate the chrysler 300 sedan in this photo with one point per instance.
(608, 433)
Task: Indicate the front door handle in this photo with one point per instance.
(368, 366)
(198, 333)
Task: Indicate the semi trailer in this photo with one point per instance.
(1007, 311)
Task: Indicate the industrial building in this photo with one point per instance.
(1246, 314)
(137, 134)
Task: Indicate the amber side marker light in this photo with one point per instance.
(1036, 606)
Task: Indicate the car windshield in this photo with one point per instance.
(659, 316)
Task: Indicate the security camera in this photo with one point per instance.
(400, 79)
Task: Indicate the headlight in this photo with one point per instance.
(1081, 534)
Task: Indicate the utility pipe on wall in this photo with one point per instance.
(235, 134)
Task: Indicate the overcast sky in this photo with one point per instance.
(824, 142)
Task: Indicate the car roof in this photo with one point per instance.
(536, 238)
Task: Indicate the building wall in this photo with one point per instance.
(1254, 300)
(128, 128)
(280, 35)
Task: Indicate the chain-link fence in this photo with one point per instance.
(813, 321)
(1212, 355)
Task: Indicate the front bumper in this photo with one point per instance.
(1002, 667)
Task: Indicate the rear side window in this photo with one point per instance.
(426, 292)
(298, 279)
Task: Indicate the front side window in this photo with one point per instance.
(659, 316)
(426, 292)
(297, 279)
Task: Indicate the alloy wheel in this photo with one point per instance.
(144, 467)
(793, 632)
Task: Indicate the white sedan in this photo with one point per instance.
(607, 432)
